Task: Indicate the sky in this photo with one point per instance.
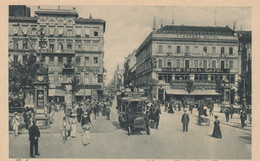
(128, 26)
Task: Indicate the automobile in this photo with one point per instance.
(131, 113)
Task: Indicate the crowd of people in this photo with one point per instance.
(80, 114)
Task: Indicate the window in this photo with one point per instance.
(222, 50)
(205, 50)
(169, 49)
(187, 63)
(160, 48)
(51, 59)
(60, 45)
(87, 33)
(182, 76)
(51, 31)
(213, 50)
(69, 60)
(196, 64)
(231, 78)
(69, 32)
(25, 44)
(60, 60)
(69, 46)
(95, 60)
(160, 63)
(33, 31)
(230, 50)
(86, 59)
(205, 63)
(100, 78)
(78, 32)
(231, 64)
(213, 63)
(86, 78)
(78, 60)
(178, 63)
(16, 44)
(187, 49)
(60, 32)
(15, 58)
(78, 45)
(51, 47)
(169, 63)
(178, 49)
(95, 33)
(87, 47)
(16, 30)
(196, 49)
(202, 77)
(60, 78)
(222, 64)
(51, 78)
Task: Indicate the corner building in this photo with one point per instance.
(68, 44)
(173, 54)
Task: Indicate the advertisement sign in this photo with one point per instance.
(197, 70)
(40, 98)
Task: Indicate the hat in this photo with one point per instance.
(216, 116)
(15, 113)
(85, 113)
(73, 114)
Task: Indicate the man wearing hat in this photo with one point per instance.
(34, 135)
(185, 121)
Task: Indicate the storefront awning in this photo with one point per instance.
(204, 92)
(81, 92)
(195, 92)
(56, 92)
(176, 92)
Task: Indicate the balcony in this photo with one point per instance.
(68, 69)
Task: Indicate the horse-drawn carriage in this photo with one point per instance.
(131, 112)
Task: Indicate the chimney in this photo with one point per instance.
(161, 23)
(234, 26)
(74, 8)
(39, 7)
(154, 23)
(58, 7)
(90, 17)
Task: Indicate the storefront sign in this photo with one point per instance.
(92, 69)
(197, 70)
(40, 98)
(187, 36)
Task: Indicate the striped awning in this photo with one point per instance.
(195, 92)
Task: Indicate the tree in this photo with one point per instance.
(22, 76)
(76, 86)
(189, 87)
(219, 89)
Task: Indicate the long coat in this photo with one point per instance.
(34, 133)
(185, 118)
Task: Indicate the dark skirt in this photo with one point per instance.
(217, 132)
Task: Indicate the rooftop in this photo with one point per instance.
(57, 12)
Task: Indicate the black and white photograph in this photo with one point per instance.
(129, 82)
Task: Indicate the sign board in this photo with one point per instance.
(40, 98)
(197, 70)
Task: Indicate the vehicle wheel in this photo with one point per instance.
(129, 130)
(148, 130)
(207, 122)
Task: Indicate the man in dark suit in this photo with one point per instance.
(34, 135)
(185, 121)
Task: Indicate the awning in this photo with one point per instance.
(176, 91)
(195, 92)
(56, 92)
(81, 92)
(204, 92)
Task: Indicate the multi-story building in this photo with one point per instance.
(68, 44)
(118, 78)
(130, 67)
(171, 55)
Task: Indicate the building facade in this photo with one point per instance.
(69, 45)
(130, 68)
(172, 55)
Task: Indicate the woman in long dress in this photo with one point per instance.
(73, 125)
(86, 125)
(216, 132)
(16, 123)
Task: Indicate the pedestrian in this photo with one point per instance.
(73, 125)
(243, 118)
(216, 131)
(27, 117)
(211, 106)
(179, 106)
(231, 110)
(63, 129)
(34, 135)
(16, 123)
(79, 113)
(191, 107)
(86, 125)
(108, 113)
(157, 117)
(185, 121)
(227, 114)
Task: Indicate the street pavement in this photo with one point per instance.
(109, 140)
